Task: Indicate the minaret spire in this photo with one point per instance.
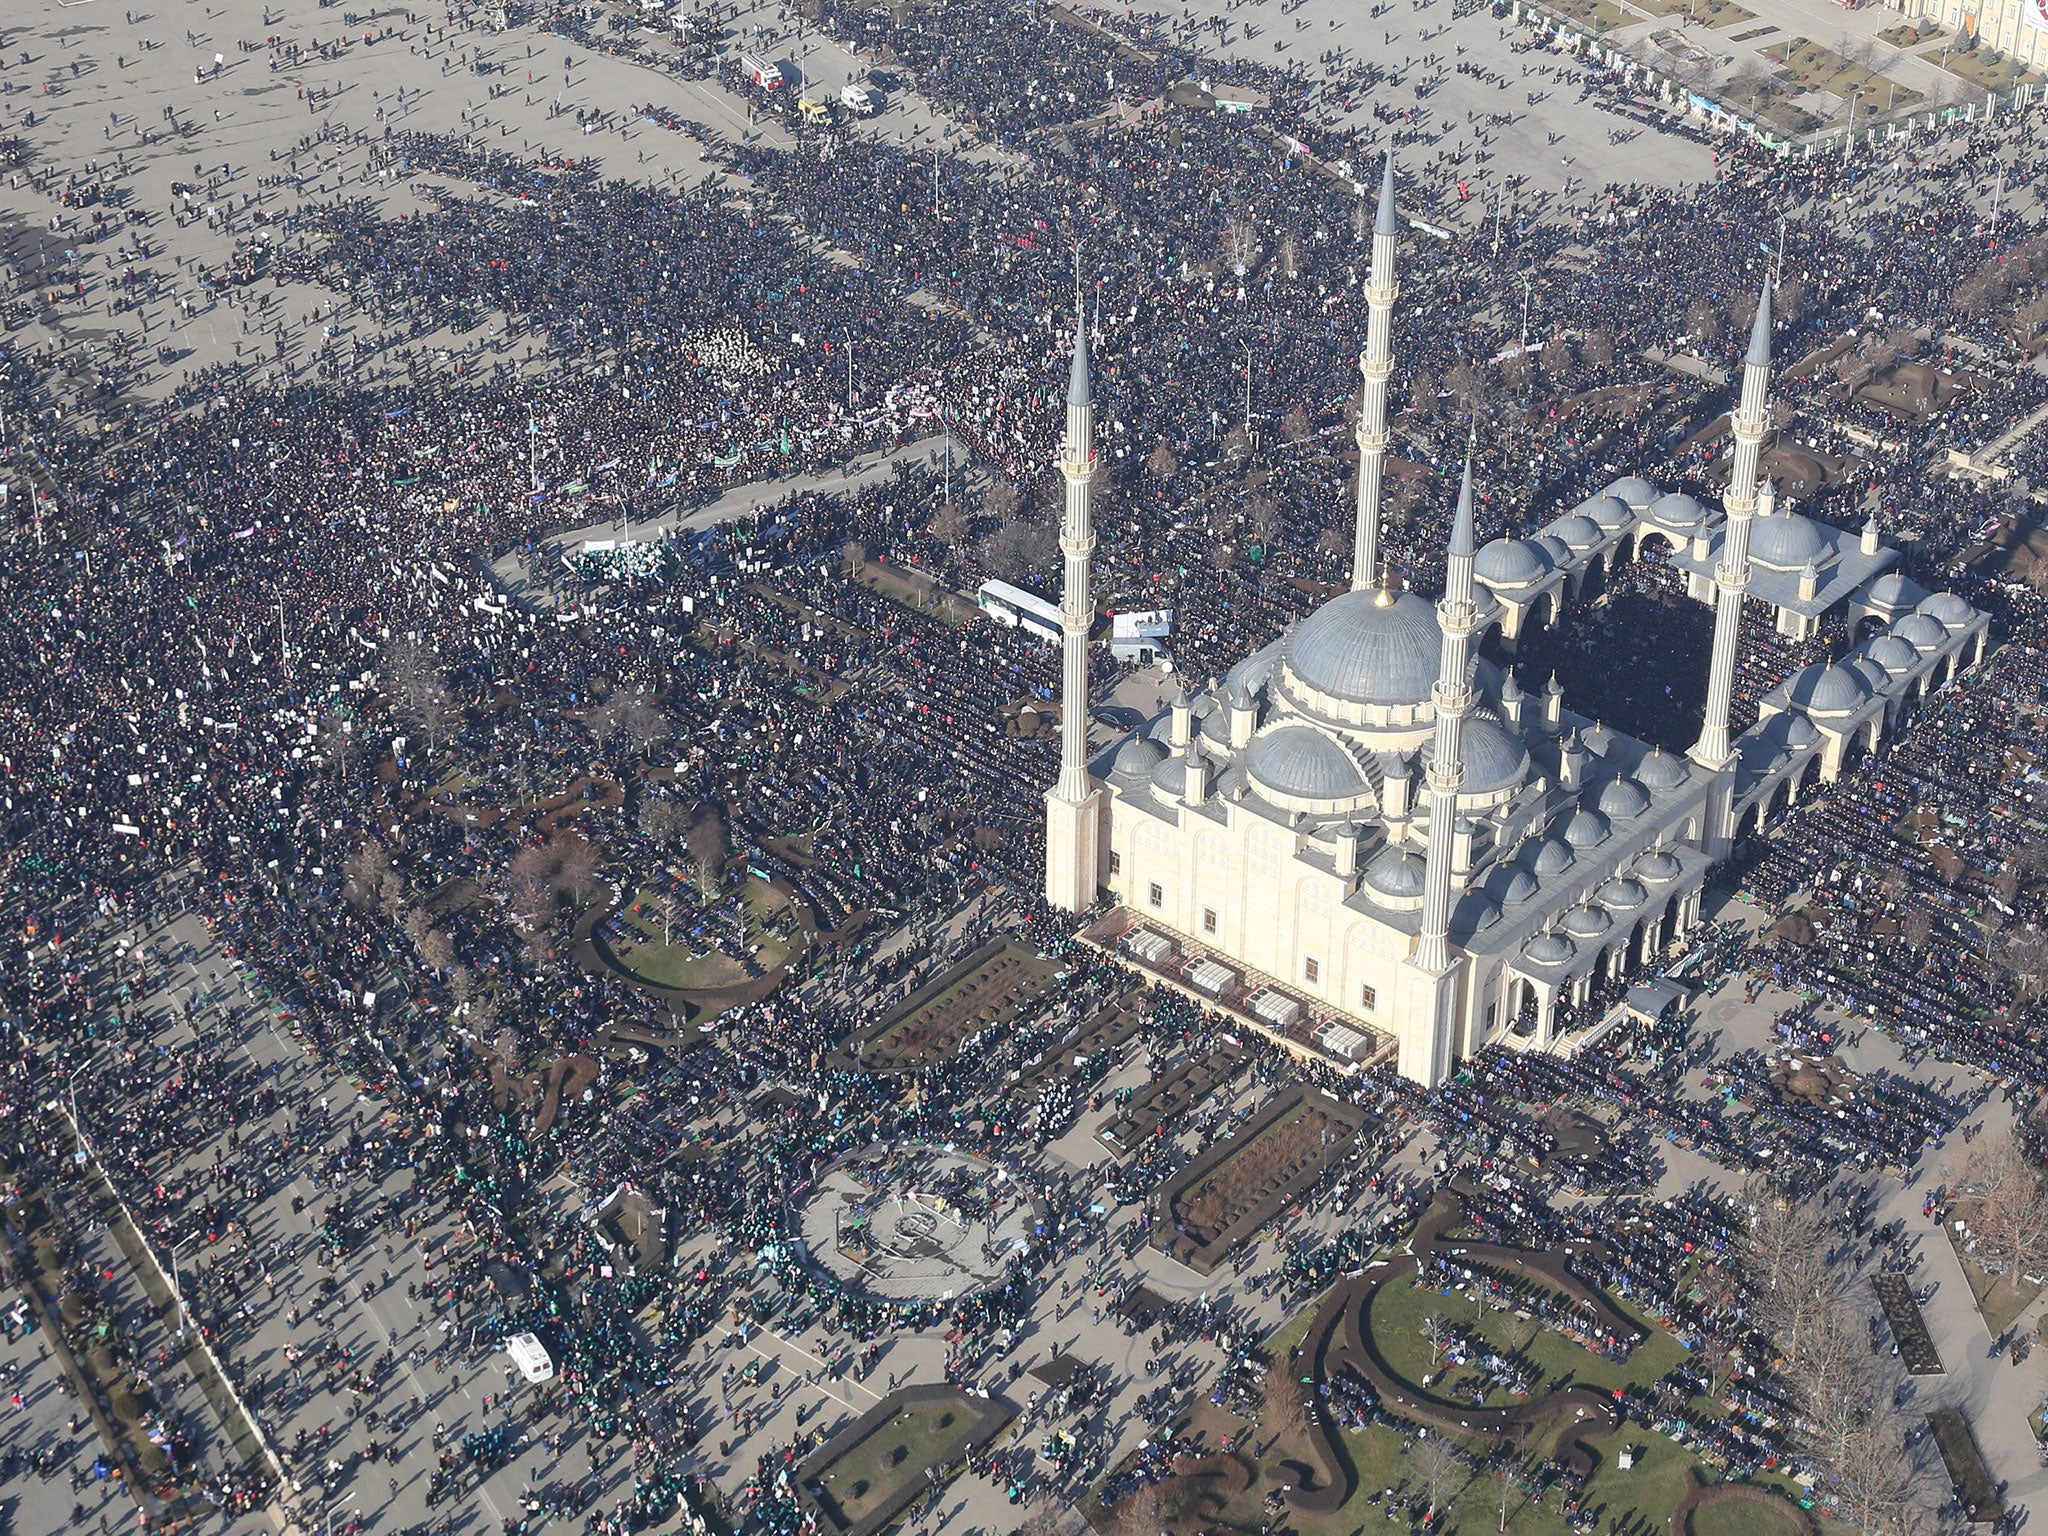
(1731, 575)
(1377, 365)
(1073, 830)
(1458, 617)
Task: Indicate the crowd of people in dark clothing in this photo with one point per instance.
(259, 663)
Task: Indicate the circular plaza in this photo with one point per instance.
(912, 1223)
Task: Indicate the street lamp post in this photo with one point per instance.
(178, 1290)
(71, 1089)
(846, 339)
(1247, 389)
(329, 1511)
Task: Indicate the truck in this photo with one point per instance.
(765, 73)
(860, 100)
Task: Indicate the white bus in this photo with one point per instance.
(1019, 609)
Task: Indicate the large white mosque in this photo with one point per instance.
(1368, 817)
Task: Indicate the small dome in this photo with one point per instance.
(1785, 543)
(1662, 770)
(1549, 949)
(1925, 633)
(1596, 739)
(1214, 727)
(1634, 490)
(1302, 762)
(1560, 553)
(1622, 799)
(1950, 610)
(1577, 532)
(1877, 679)
(1587, 922)
(1827, 690)
(1553, 856)
(1511, 883)
(1136, 758)
(1896, 656)
(1800, 732)
(1493, 757)
(1895, 589)
(1586, 829)
(1658, 867)
(1621, 895)
(1171, 776)
(1676, 510)
(1369, 648)
(1473, 913)
(1511, 563)
(1395, 872)
(1610, 512)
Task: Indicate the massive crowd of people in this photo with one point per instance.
(256, 658)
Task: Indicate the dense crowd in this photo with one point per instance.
(257, 658)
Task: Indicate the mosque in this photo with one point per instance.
(1369, 818)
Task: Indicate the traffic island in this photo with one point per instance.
(908, 1444)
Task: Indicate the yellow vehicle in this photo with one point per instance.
(814, 112)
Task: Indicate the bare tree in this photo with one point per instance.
(643, 723)
(1280, 1396)
(1703, 322)
(1796, 1288)
(1295, 425)
(1443, 1470)
(1017, 548)
(2023, 956)
(663, 820)
(1598, 347)
(710, 846)
(1437, 1329)
(949, 523)
(417, 694)
(336, 739)
(370, 879)
(2011, 1199)
(1468, 386)
(1002, 499)
(1290, 255)
(1161, 464)
(1876, 1478)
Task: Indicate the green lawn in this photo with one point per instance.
(1709, 13)
(677, 965)
(874, 1472)
(1398, 1312)
(1640, 1498)
(1739, 1517)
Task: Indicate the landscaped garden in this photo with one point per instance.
(1248, 1177)
(865, 1475)
(670, 935)
(994, 986)
(1709, 13)
(1457, 1375)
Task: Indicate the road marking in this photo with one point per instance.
(815, 1360)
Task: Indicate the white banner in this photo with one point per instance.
(2035, 14)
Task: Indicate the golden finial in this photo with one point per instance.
(1384, 597)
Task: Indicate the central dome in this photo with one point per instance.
(1369, 648)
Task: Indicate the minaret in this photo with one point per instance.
(1073, 813)
(1458, 616)
(1731, 576)
(1378, 367)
